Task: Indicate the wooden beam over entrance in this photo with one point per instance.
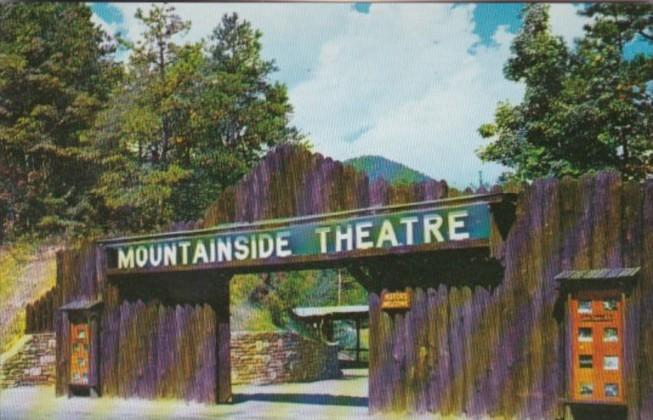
(465, 222)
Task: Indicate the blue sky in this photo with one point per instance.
(411, 82)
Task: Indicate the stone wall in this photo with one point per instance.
(256, 358)
(31, 364)
(271, 357)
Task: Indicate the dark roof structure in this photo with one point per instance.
(598, 274)
(315, 314)
(77, 305)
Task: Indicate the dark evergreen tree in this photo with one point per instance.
(187, 122)
(55, 74)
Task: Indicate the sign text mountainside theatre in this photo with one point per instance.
(399, 229)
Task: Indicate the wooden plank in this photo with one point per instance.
(533, 281)
(493, 391)
(420, 327)
(416, 352)
(179, 372)
(553, 361)
(378, 192)
(410, 357)
(467, 334)
(50, 308)
(223, 337)
(523, 299)
(582, 259)
(632, 247)
(166, 358)
(211, 355)
(511, 317)
(151, 333)
(570, 217)
(397, 367)
(456, 350)
(386, 361)
(110, 341)
(445, 363)
(125, 347)
(431, 391)
(94, 352)
(61, 367)
(480, 351)
(375, 384)
(607, 234)
(646, 332)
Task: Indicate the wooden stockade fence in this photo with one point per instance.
(39, 315)
(486, 331)
(148, 349)
(157, 351)
(502, 351)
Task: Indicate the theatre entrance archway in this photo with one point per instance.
(165, 297)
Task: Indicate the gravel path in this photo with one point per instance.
(330, 399)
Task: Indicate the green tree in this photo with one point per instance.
(144, 135)
(241, 112)
(188, 121)
(55, 73)
(584, 109)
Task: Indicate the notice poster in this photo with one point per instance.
(610, 335)
(611, 390)
(585, 307)
(610, 305)
(395, 300)
(586, 389)
(585, 334)
(611, 363)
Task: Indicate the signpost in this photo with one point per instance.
(442, 224)
(395, 300)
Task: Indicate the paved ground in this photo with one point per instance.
(332, 399)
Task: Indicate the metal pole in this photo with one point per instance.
(358, 340)
(339, 286)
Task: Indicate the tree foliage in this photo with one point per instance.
(279, 293)
(91, 144)
(189, 120)
(584, 109)
(55, 74)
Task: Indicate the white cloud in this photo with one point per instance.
(566, 22)
(109, 28)
(292, 33)
(406, 82)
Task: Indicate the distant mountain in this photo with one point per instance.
(379, 167)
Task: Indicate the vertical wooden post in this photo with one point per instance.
(646, 316)
(63, 353)
(631, 200)
(223, 338)
(329, 330)
(94, 354)
(100, 270)
(376, 355)
(358, 340)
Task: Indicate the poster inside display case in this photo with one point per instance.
(79, 348)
